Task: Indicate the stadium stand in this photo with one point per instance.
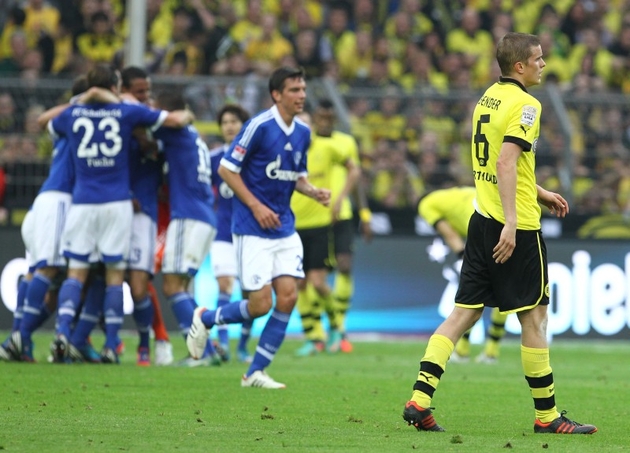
(405, 74)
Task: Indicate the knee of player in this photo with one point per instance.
(259, 304)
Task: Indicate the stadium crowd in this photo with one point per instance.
(410, 71)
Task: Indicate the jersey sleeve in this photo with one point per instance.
(523, 125)
(147, 117)
(56, 126)
(242, 146)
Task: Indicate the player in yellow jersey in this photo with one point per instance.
(343, 229)
(313, 223)
(448, 212)
(505, 258)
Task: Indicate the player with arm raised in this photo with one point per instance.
(99, 220)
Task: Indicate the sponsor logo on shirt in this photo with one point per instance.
(273, 171)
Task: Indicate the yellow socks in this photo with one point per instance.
(540, 379)
(432, 367)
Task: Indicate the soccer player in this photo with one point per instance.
(146, 177)
(343, 224)
(505, 258)
(42, 235)
(264, 165)
(231, 118)
(192, 225)
(314, 224)
(100, 217)
(448, 212)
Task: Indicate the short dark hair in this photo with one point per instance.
(235, 110)
(79, 85)
(131, 73)
(513, 48)
(277, 79)
(170, 100)
(102, 76)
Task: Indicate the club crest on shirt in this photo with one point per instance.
(528, 115)
(297, 157)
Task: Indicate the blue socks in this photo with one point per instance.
(232, 313)
(222, 330)
(19, 307)
(113, 309)
(183, 306)
(33, 303)
(90, 313)
(69, 300)
(270, 340)
(143, 315)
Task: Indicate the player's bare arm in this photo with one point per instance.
(179, 118)
(54, 112)
(306, 188)
(265, 217)
(506, 180)
(556, 204)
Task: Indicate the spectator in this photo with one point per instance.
(355, 60)
(590, 57)
(184, 55)
(100, 43)
(249, 27)
(387, 121)
(13, 63)
(266, 50)
(14, 23)
(337, 33)
(311, 53)
(420, 74)
(42, 21)
(9, 119)
(421, 25)
(474, 44)
(365, 17)
(395, 182)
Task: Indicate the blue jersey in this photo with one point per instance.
(270, 157)
(189, 174)
(146, 177)
(223, 195)
(61, 173)
(99, 136)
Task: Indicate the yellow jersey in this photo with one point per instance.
(326, 156)
(506, 113)
(454, 205)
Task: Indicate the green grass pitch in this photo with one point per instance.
(333, 403)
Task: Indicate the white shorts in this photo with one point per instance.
(27, 238)
(47, 219)
(223, 258)
(102, 229)
(187, 244)
(260, 260)
(142, 247)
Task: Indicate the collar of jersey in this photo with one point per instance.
(514, 81)
(288, 130)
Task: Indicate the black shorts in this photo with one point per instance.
(521, 283)
(315, 242)
(343, 237)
